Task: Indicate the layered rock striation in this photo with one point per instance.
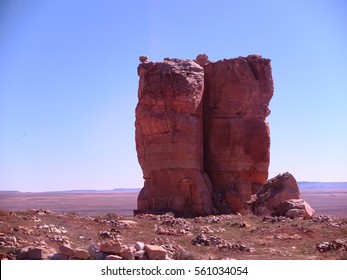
(201, 133)
(236, 135)
(169, 138)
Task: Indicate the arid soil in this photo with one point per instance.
(329, 202)
(80, 221)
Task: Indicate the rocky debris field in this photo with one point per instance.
(44, 235)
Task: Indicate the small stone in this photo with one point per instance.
(35, 253)
(155, 252)
(139, 246)
(59, 256)
(112, 246)
(66, 250)
(127, 255)
(323, 247)
(139, 254)
(295, 213)
(81, 254)
(143, 59)
(22, 253)
(99, 256)
(113, 257)
(93, 249)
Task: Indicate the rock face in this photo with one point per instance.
(236, 134)
(169, 138)
(201, 131)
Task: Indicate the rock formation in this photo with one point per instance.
(276, 190)
(201, 133)
(280, 196)
(236, 134)
(169, 138)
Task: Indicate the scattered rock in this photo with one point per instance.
(81, 254)
(112, 234)
(295, 208)
(60, 257)
(202, 239)
(155, 252)
(128, 254)
(100, 256)
(66, 250)
(139, 254)
(113, 246)
(139, 246)
(323, 218)
(276, 219)
(36, 253)
(338, 244)
(286, 236)
(236, 247)
(32, 218)
(113, 257)
(323, 247)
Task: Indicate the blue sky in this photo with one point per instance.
(68, 82)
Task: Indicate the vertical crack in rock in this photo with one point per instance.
(201, 129)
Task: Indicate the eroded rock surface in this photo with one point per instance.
(169, 138)
(201, 133)
(236, 134)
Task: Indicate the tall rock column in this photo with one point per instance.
(169, 138)
(236, 134)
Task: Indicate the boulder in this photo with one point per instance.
(295, 208)
(155, 252)
(276, 190)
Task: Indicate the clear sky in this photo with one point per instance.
(68, 82)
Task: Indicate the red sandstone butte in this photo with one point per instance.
(201, 131)
(236, 135)
(169, 138)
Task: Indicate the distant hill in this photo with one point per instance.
(302, 185)
(322, 185)
(98, 191)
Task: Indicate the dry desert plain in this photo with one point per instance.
(122, 203)
(84, 219)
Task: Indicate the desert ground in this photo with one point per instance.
(330, 202)
(80, 225)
